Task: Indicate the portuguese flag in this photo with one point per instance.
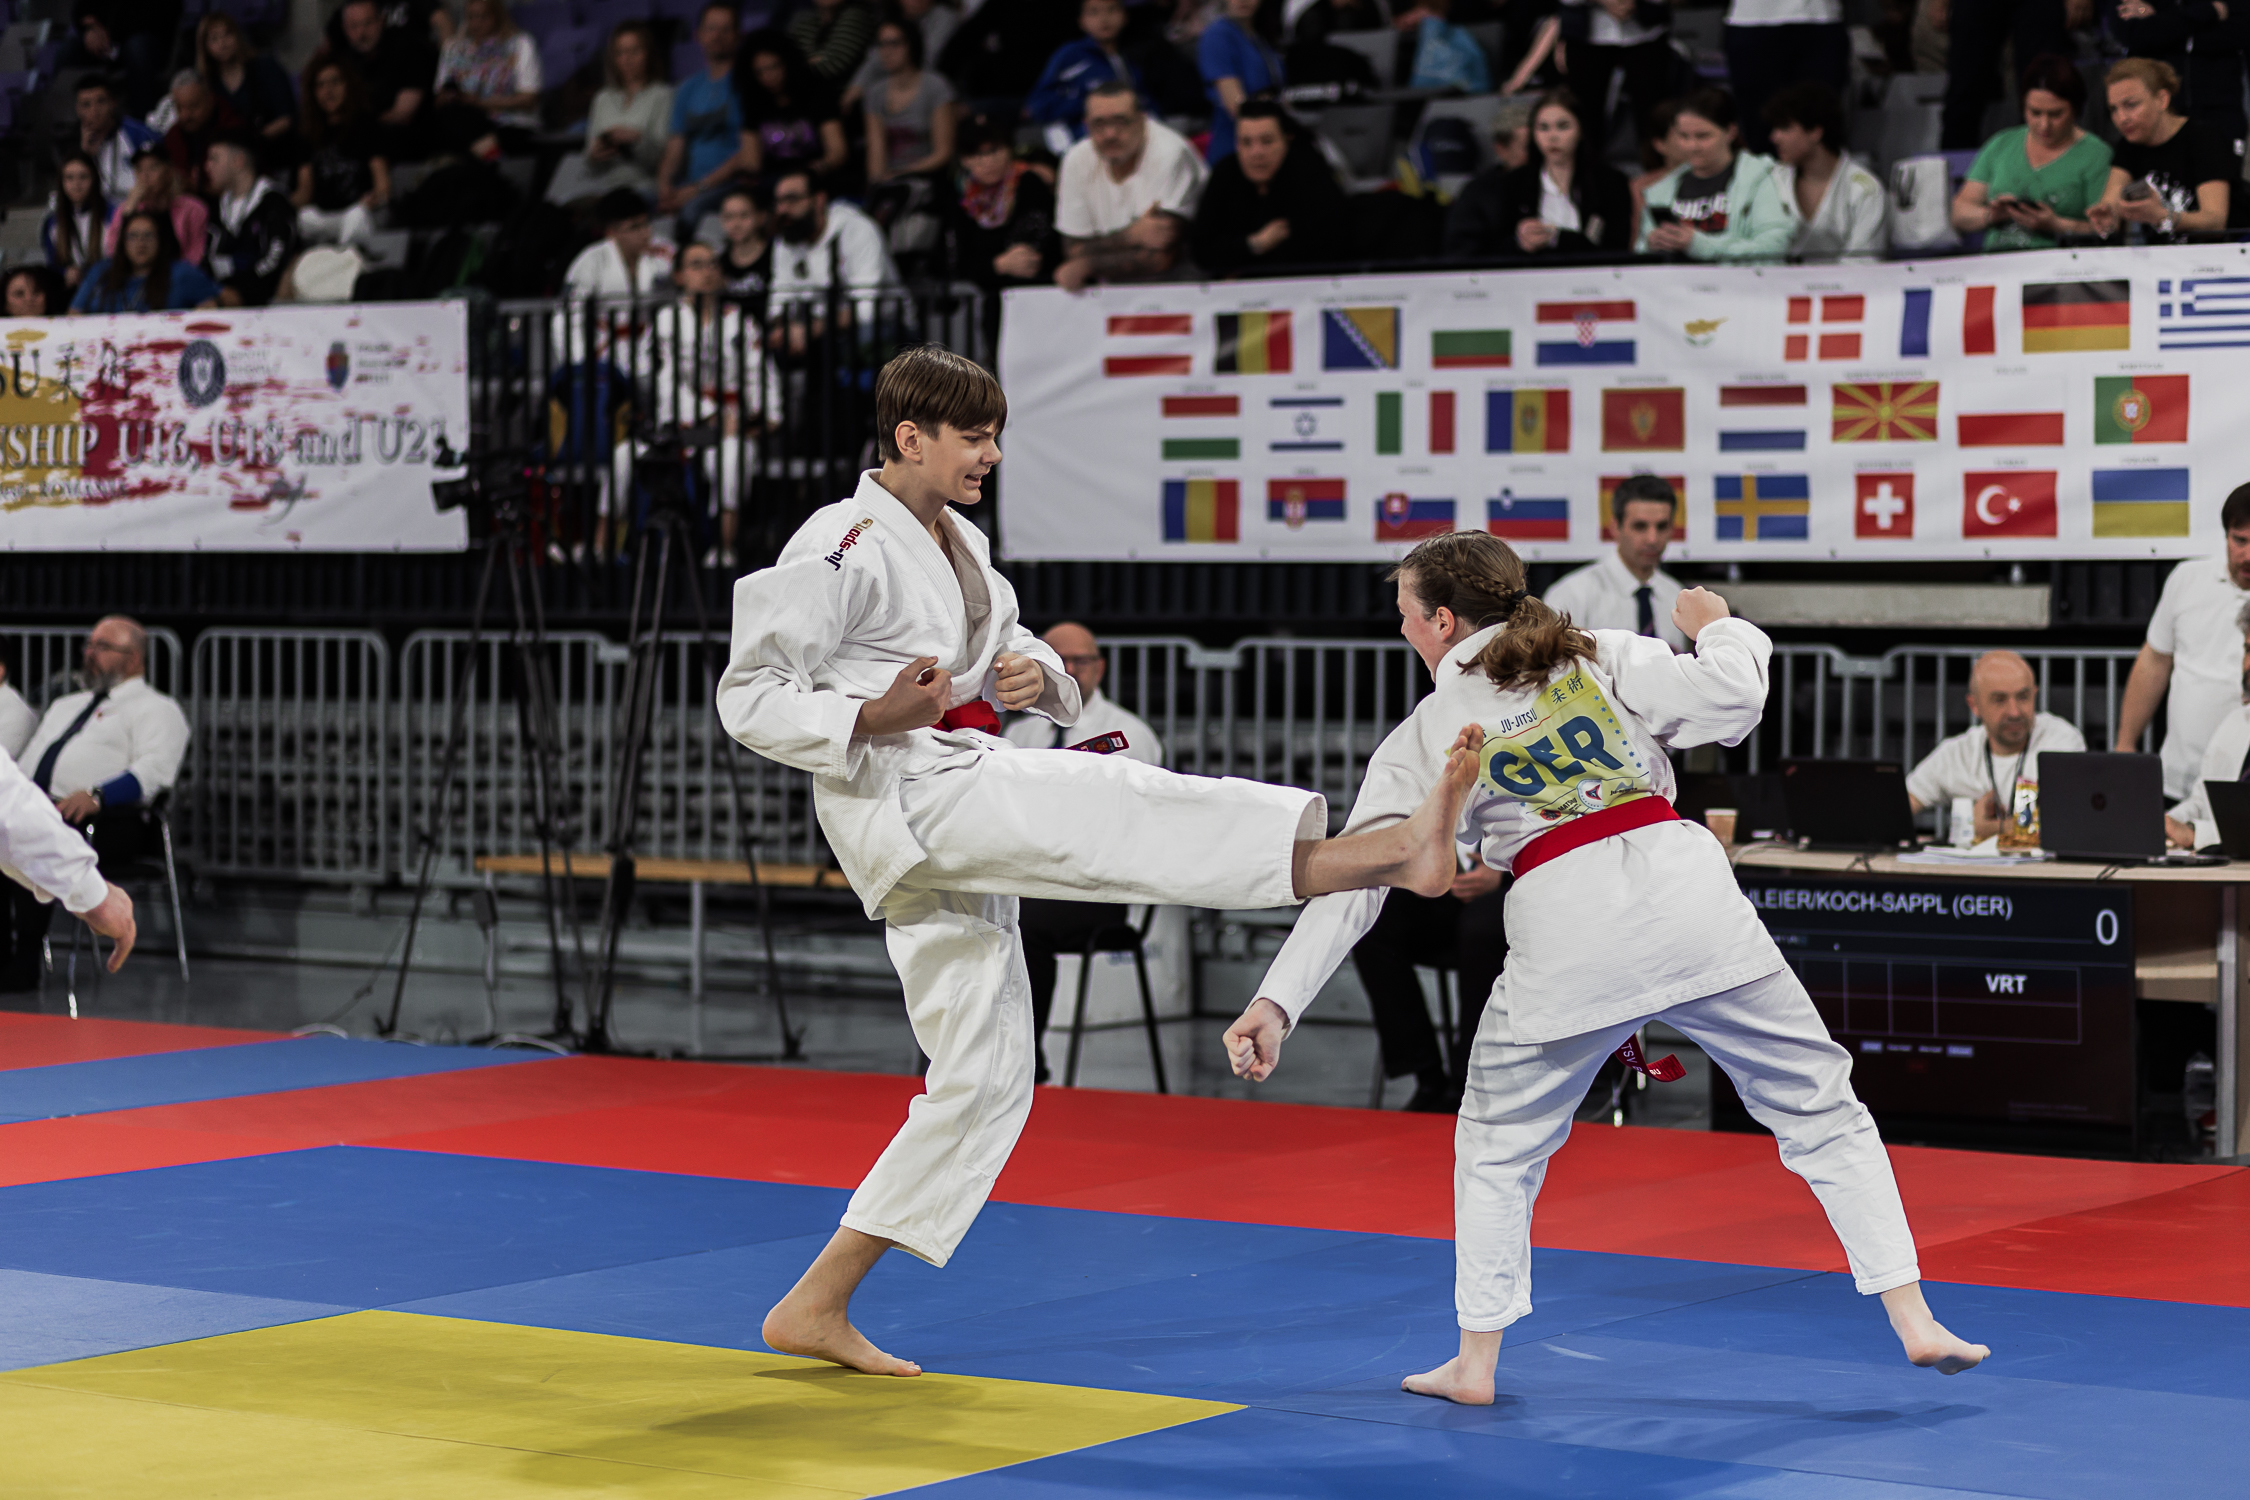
(2140, 408)
(2059, 316)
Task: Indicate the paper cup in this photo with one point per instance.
(1720, 820)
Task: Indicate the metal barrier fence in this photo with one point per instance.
(43, 660)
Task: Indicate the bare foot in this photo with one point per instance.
(795, 1329)
(1452, 1381)
(1929, 1343)
(1431, 859)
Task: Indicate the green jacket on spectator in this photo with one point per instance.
(1758, 223)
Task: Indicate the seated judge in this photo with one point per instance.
(1626, 590)
(1051, 928)
(2226, 757)
(1991, 756)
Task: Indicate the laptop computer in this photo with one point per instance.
(2230, 809)
(2101, 806)
(1847, 804)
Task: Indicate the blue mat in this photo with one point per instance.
(45, 1320)
(86, 1088)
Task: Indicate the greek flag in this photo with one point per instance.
(2203, 312)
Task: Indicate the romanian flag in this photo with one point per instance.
(1762, 507)
(1293, 502)
(2060, 316)
(1390, 422)
(1471, 349)
(1527, 421)
(1359, 338)
(1644, 420)
(1399, 518)
(1525, 520)
(1885, 411)
(1610, 482)
(2141, 502)
(2140, 409)
(1202, 510)
(1252, 343)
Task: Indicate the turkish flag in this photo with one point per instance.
(1883, 506)
(2008, 502)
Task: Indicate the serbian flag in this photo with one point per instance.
(1293, 502)
(2008, 502)
(1400, 518)
(1252, 343)
(1644, 420)
(1527, 421)
(2066, 316)
(1520, 519)
(2140, 408)
(1202, 510)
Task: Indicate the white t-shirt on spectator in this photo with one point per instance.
(2196, 625)
(850, 252)
(1090, 203)
(1959, 766)
(1785, 12)
(2222, 761)
(1605, 30)
(1600, 596)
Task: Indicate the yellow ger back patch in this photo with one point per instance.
(1564, 755)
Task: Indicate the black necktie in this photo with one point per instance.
(1644, 609)
(43, 778)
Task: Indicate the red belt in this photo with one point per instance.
(1579, 831)
(974, 714)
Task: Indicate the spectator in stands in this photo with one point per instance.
(156, 189)
(819, 243)
(1776, 44)
(1058, 100)
(1445, 56)
(628, 127)
(790, 113)
(130, 40)
(2199, 40)
(1568, 198)
(17, 721)
(1604, 38)
(709, 140)
(393, 67)
(910, 112)
(1128, 191)
(77, 215)
(1003, 225)
(146, 274)
(1511, 134)
(488, 82)
(1237, 63)
(996, 54)
(1273, 202)
(103, 754)
(1976, 31)
(833, 37)
(32, 292)
(936, 23)
(2191, 660)
(1839, 208)
(1628, 589)
(254, 234)
(1659, 152)
(745, 259)
(346, 176)
(2000, 751)
(1719, 203)
(2033, 183)
(199, 117)
(106, 135)
(2171, 175)
(250, 83)
(626, 261)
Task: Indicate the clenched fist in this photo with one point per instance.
(917, 698)
(1019, 680)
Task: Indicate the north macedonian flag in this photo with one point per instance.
(1886, 411)
(1252, 343)
(2059, 316)
(2140, 408)
(1644, 420)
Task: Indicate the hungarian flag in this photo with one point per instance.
(1527, 421)
(1202, 510)
(1293, 502)
(2140, 408)
(1644, 420)
(1252, 343)
(1610, 482)
(1195, 440)
(1400, 518)
(1523, 519)
(2062, 316)
(1885, 411)
(2008, 502)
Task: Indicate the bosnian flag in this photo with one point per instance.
(1583, 333)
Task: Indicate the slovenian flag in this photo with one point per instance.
(1400, 518)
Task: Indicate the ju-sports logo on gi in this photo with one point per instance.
(203, 373)
(835, 559)
(1565, 755)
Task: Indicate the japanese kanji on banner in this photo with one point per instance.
(289, 428)
(2049, 404)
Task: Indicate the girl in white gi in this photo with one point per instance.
(872, 654)
(1621, 914)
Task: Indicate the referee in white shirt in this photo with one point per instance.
(1992, 756)
(2191, 660)
(1626, 590)
(100, 754)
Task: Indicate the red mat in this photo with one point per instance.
(28, 1041)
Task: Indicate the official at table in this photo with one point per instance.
(2000, 751)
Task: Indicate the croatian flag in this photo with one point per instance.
(1592, 327)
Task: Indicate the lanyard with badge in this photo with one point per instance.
(2019, 810)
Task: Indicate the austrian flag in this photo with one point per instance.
(1148, 344)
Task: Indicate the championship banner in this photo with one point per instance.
(2050, 404)
(248, 430)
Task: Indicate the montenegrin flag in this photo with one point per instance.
(1202, 510)
(1885, 411)
(1252, 343)
(1644, 420)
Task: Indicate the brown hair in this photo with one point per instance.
(1480, 578)
(932, 387)
(2156, 77)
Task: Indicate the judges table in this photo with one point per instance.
(1953, 980)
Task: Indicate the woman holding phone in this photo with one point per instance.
(2031, 185)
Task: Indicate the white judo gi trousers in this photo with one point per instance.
(1795, 1081)
(1067, 826)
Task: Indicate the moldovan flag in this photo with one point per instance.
(1471, 349)
(1296, 501)
(1202, 510)
(1885, 411)
(1390, 422)
(1359, 338)
(1399, 518)
(2008, 502)
(1643, 420)
(1156, 344)
(1524, 520)
(2065, 315)
(2141, 502)
(1762, 507)
(1610, 482)
(1527, 421)
(2013, 428)
(1252, 343)
(2140, 409)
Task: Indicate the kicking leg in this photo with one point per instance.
(815, 1318)
(1417, 854)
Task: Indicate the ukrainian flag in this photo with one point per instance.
(1527, 421)
(1202, 510)
(1763, 507)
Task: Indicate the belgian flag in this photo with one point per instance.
(1253, 343)
(2063, 316)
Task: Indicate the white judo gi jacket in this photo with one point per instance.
(860, 591)
(1618, 929)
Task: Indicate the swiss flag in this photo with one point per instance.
(2008, 502)
(1883, 506)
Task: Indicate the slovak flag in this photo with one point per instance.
(2008, 502)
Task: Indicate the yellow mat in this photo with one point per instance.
(395, 1405)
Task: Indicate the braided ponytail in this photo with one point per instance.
(1480, 578)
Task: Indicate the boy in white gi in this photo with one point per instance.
(1621, 914)
(871, 654)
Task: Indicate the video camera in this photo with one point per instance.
(496, 482)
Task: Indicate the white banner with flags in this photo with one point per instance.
(2038, 405)
(239, 430)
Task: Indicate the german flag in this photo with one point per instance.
(1253, 343)
(2062, 316)
(1885, 411)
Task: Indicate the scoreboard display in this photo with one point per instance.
(1991, 1001)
